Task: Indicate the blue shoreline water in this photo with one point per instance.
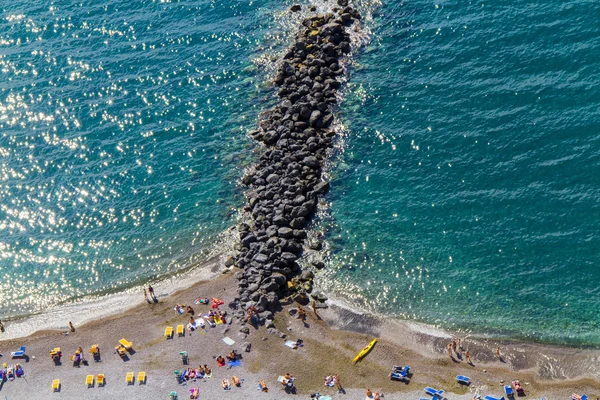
(465, 195)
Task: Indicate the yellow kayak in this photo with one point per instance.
(364, 351)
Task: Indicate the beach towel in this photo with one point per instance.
(292, 345)
(235, 363)
(218, 320)
(215, 302)
(228, 340)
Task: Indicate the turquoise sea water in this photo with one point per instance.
(469, 192)
(465, 195)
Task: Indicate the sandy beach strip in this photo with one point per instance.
(330, 343)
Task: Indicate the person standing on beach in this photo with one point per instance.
(498, 353)
(468, 358)
(1, 327)
(314, 308)
(338, 384)
(71, 327)
(454, 346)
(146, 296)
(449, 347)
(151, 291)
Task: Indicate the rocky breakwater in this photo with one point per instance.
(284, 187)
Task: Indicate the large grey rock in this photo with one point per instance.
(270, 286)
(261, 258)
(285, 232)
(314, 117)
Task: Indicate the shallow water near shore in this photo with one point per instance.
(465, 194)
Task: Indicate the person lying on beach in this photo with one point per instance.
(377, 396)
(236, 381)
(369, 394)
(194, 393)
(207, 371)
(225, 384)
(190, 310)
(263, 385)
(301, 314)
(232, 356)
(288, 380)
(251, 314)
(178, 309)
(220, 361)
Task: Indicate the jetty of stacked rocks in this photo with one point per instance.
(284, 186)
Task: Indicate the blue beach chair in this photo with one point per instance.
(397, 376)
(508, 390)
(399, 369)
(400, 373)
(463, 379)
(493, 398)
(18, 354)
(437, 394)
(584, 397)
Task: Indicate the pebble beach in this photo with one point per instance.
(330, 343)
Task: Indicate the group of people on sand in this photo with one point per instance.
(334, 380)
(456, 348)
(234, 380)
(191, 374)
(213, 317)
(373, 396)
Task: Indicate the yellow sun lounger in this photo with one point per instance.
(125, 343)
(129, 378)
(121, 350)
(100, 379)
(180, 330)
(56, 385)
(94, 349)
(89, 380)
(142, 377)
(169, 332)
